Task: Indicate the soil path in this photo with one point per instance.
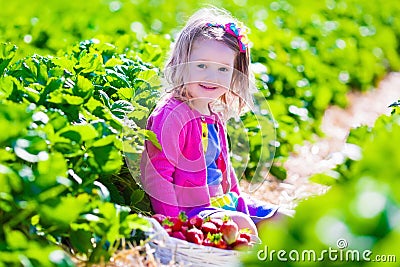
(328, 151)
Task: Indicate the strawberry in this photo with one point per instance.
(159, 217)
(215, 240)
(176, 224)
(229, 230)
(207, 242)
(184, 229)
(245, 233)
(218, 222)
(178, 235)
(183, 217)
(241, 243)
(167, 225)
(209, 227)
(195, 235)
(179, 221)
(195, 221)
(218, 241)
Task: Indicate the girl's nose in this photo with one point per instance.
(211, 75)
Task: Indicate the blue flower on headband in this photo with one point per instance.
(239, 32)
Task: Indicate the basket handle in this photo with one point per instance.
(159, 231)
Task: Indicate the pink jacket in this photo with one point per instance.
(175, 177)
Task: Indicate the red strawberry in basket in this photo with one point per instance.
(245, 233)
(178, 235)
(209, 227)
(215, 240)
(167, 225)
(207, 242)
(229, 230)
(184, 229)
(195, 221)
(241, 243)
(179, 221)
(159, 217)
(195, 235)
(218, 241)
(218, 222)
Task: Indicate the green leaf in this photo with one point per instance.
(134, 221)
(112, 62)
(10, 181)
(94, 104)
(49, 171)
(152, 137)
(105, 159)
(7, 86)
(79, 133)
(104, 97)
(59, 97)
(53, 84)
(323, 179)
(121, 108)
(278, 172)
(6, 155)
(137, 196)
(83, 87)
(81, 240)
(33, 70)
(7, 53)
(16, 239)
(90, 62)
(31, 94)
(65, 63)
(31, 148)
(53, 212)
(108, 140)
(126, 93)
(15, 118)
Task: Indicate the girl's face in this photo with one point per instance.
(210, 70)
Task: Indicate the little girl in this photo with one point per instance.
(209, 73)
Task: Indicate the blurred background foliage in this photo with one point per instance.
(81, 66)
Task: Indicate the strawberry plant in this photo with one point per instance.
(68, 115)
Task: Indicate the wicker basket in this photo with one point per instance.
(169, 249)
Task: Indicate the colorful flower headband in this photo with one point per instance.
(239, 32)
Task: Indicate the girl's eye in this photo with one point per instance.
(223, 69)
(201, 66)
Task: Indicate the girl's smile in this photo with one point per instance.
(207, 87)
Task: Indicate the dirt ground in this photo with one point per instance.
(328, 151)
